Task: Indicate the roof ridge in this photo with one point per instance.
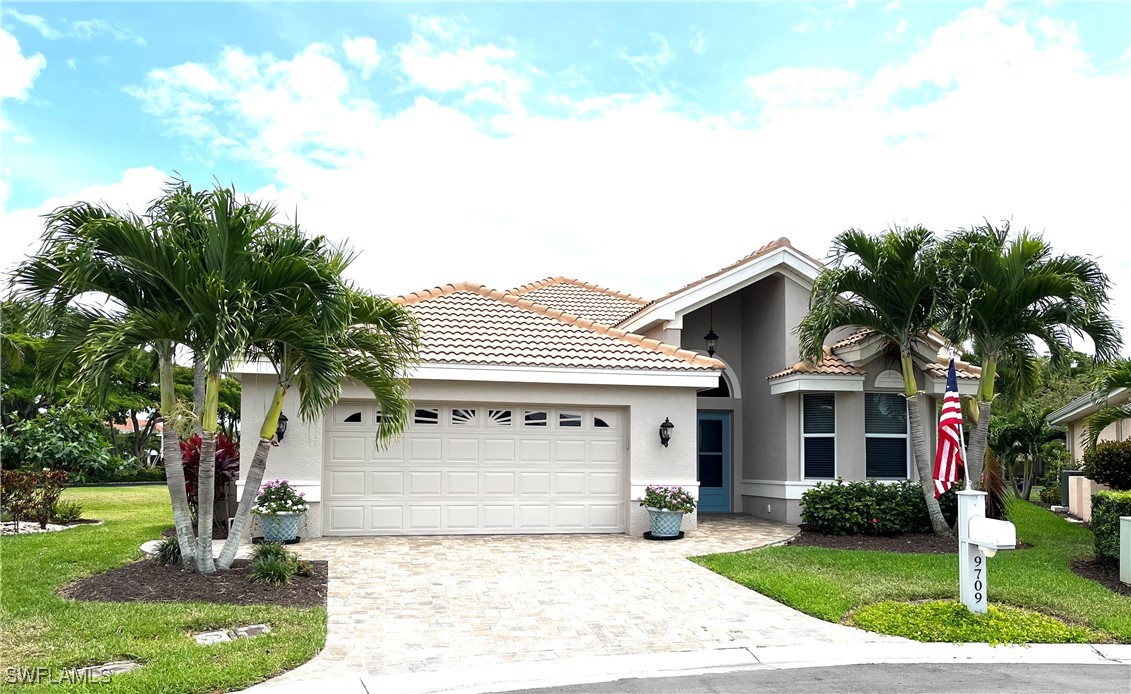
(780, 242)
(561, 279)
(648, 343)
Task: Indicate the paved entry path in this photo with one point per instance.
(402, 605)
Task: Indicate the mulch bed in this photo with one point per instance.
(1107, 575)
(909, 543)
(148, 581)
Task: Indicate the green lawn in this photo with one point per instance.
(830, 583)
(37, 628)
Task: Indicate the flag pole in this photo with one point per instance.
(961, 433)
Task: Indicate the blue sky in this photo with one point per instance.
(634, 145)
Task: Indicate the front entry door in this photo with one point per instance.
(714, 462)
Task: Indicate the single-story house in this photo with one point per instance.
(538, 409)
(1074, 415)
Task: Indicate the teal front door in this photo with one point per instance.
(714, 462)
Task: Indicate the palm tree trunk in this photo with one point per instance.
(923, 467)
(206, 478)
(199, 374)
(243, 512)
(254, 478)
(174, 467)
(976, 451)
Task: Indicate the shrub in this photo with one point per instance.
(1109, 462)
(951, 621)
(279, 496)
(871, 508)
(62, 438)
(31, 495)
(168, 552)
(274, 571)
(268, 550)
(1107, 507)
(227, 465)
(66, 512)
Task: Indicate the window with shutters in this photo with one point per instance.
(885, 436)
(818, 435)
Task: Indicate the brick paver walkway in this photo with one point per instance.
(416, 604)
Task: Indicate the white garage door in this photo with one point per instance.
(476, 469)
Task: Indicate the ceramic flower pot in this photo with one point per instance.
(665, 523)
(280, 527)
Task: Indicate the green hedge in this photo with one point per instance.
(1107, 507)
(871, 508)
(1109, 462)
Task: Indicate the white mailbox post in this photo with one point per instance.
(978, 539)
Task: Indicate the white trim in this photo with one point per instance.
(776, 489)
(311, 488)
(836, 462)
(704, 378)
(937, 386)
(636, 488)
(784, 260)
(802, 382)
(889, 379)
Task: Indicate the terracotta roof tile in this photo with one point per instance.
(830, 364)
(472, 324)
(961, 369)
(782, 242)
(596, 303)
(855, 338)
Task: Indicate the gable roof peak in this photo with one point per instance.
(561, 279)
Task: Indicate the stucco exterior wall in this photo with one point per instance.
(300, 457)
(1078, 435)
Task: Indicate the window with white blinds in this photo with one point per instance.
(885, 434)
(818, 435)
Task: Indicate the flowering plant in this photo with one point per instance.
(668, 498)
(278, 496)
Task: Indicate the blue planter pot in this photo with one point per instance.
(665, 523)
(280, 527)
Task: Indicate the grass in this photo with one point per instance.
(951, 621)
(40, 629)
(831, 583)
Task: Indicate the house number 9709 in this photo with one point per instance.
(978, 585)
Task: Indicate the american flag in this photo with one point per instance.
(949, 456)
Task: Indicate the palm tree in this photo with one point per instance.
(1004, 294)
(373, 342)
(887, 283)
(93, 250)
(1113, 377)
(1023, 435)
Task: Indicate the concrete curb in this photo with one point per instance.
(588, 670)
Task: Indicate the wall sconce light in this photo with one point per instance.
(281, 429)
(666, 431)
(711, 338)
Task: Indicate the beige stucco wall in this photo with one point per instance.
(1077, 435)
(300, 456)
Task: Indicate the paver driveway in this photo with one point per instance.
(414, 604)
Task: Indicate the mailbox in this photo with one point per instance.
(992, 535)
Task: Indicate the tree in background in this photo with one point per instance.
(1114, 377)
(1023, 436)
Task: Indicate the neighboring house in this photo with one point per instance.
(537, 410)
(1073, 417)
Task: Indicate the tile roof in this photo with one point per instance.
(961, 369)
(782, 242)
(860, 335)
(472, 324)
(830, 364)
(583, 299)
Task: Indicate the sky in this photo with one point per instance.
(638, 146)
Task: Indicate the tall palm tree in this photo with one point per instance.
(1024, 435)
(1005, 293)
(1113, 377)
(888, 283)
(372, 341)
(90, 250)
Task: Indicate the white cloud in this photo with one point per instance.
(698, 43)
(442, 58)
(650, 63)
(986, 118)
(892, 6)
(17, 72)
(895, 34)
(81, 29)
(810, 25)
(362, 53)
(24, 226)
